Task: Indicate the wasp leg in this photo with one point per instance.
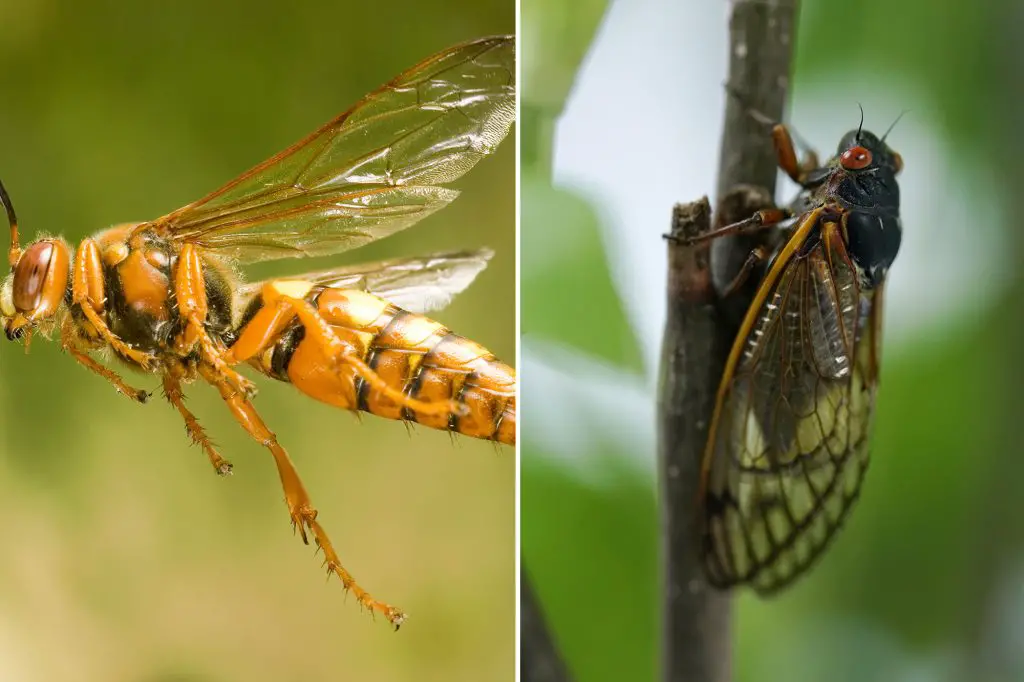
(761, 220)
(71, 345)
(302, 512)
(279, 310)
(87, 293)
(172, 389)
(758, 255)
(190, 291)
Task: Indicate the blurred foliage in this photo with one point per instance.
(906, 592)
(127, 558)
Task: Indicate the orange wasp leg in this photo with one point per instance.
(172, 389)
(87, 293)
(262, 331)
(190, 290)
(70, 344)
(300, 507)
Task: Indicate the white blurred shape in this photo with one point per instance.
(606, 409)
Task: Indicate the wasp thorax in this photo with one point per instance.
(39, 280)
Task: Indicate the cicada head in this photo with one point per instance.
(34, 292)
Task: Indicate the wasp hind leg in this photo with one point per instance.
(70, 343)
(300, 508)
(280, 309)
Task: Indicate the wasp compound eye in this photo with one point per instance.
(40, 278)
(855, 158)
(30, 274)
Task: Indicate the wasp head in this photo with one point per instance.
(34, 291)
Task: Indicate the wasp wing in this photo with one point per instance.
(370, 172)
(418, 285)
(789, 445)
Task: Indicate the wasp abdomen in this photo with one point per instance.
(411, 353)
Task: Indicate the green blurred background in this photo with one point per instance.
(926, 582)
(125, 557)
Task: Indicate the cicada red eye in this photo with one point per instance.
(855, 158)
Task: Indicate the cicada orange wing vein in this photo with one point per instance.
(788, 448)
(370, 172)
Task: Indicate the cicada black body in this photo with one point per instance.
(788, 445)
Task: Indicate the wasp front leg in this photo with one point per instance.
(190, 291)
(87, 294)
(72, 344)
(300, 508)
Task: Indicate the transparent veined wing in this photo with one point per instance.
(418, 285)
(789, 444)
(371, 171)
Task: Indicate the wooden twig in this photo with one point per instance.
(696, 644)
(539, 660)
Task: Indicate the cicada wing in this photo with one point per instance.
(370, 172)
(789, 446)
(418, 285)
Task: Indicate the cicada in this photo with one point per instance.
(788, 445)
(166, 296)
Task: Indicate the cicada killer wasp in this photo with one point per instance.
(166, 298)
(788, 444)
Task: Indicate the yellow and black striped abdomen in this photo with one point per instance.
(412, 354)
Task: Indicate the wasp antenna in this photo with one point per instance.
(894, 124)
(860, 126)
(15, 251)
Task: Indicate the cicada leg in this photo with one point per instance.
(757, 256)
(71, 344)
(172, 389)
(190, 292)
(300, 508)
(798, 171)
(761, 220)
(782, 140)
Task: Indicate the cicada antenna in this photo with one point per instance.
(860, 126)
(15, 252)
(894, 124)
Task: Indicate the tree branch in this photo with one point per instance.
(539, 660)
(699, 331)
